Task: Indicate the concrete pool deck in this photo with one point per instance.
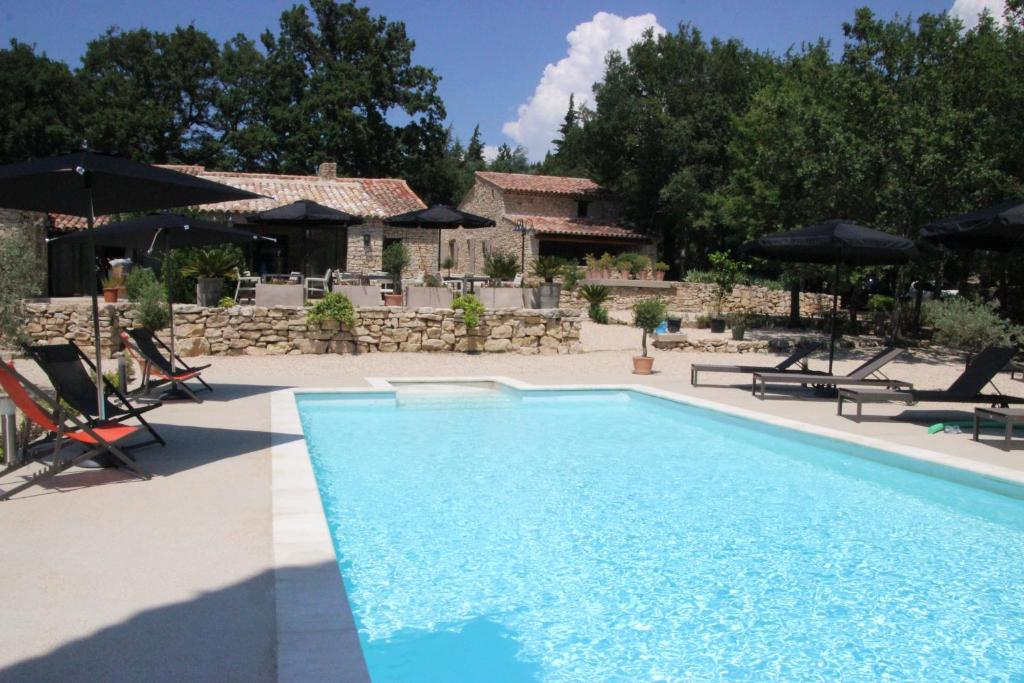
(109, 578)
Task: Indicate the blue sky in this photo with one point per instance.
(491, 55)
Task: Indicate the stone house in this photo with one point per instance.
(357, 248)
(567, 217)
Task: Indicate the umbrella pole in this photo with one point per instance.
(175, 393)
(100, 402)
(832, 333)
(439, 252)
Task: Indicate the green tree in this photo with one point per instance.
(39, 109)
(150, 95)
(509, 160)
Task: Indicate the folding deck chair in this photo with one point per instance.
(966, 388)
(50, 415)
(799, 355)
(145, 348)
(867, 374)
(63, 364)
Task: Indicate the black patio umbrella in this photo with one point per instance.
(308, 214)
(90, 184)
(164, 232)
(439, 217)
(838, 243)
(999, 227)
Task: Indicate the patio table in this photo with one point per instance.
(1008, 416)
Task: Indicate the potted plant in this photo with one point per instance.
(725, 272)
(501, 267)
(674, 321)
(647, 315)
(739, 321)
(448, 263)
(394, 261)
(548, 268)
(622, 264)
(606, 264)
(111, 284)
(210, 267)
(660, 268)
(593, 266)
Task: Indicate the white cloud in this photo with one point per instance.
(490, 152)
(968, 10)
(589, 43)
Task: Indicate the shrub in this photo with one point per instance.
(767, 283)
(431, 280)
(111, 281)
(702, 322)
(547, 267)
(21, 279)
(571, 276)
(333, 306)
(703, 277)
(647, 315)
(181, 263)
(881, 303)
(471, 309)
(501, 265)
(151, 304)
(598, 313)
(968, 325)
(595, 294)
(226, 302)
(138, 279)
(661, 266)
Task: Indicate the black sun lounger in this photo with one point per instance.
(150, 352)
(860, 376)
(63, 364)
(799, 355)
(966, 388)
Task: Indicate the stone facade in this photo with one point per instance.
(257, 331)
(364, 255)
(467, 247)
(696, 298)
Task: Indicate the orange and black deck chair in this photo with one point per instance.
(48, 414)
(153, 355)
(72, 375)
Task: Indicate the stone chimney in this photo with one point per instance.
(327, 169)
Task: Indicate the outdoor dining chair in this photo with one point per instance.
(317, 287)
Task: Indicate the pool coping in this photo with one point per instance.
(318, 641)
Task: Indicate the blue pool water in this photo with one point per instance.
(611, 536)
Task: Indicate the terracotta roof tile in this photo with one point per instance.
(540, 184)
(556, 225)
(365, 197)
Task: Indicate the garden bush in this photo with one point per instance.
(471, 309)
(21, 279)
(968, 325)
(333, 306)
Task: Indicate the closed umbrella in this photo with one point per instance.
(439, 217)
(999, 227)
(838, 243)
(90, 184)
(308, 214)
(165, 232)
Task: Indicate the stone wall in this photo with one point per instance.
(695, 298)
(253, 330)
(422, 246)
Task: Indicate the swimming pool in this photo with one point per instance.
(490, 534)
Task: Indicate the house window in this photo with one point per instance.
(453, 253)
(388, 241)
(582, 209)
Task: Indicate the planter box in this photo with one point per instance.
(428, 297)
(279, 295)
(506, 297)
(548, 295)
(361, 296)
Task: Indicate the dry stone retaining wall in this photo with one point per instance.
(257, 331)
(696, 298)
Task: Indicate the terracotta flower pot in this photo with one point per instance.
(642, 365)
(393, 300)
(624, 274)
(659, 275)
(110, 295)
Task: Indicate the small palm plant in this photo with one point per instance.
(596, 295)
(501, 265)
(547, 267)
(211, 263)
